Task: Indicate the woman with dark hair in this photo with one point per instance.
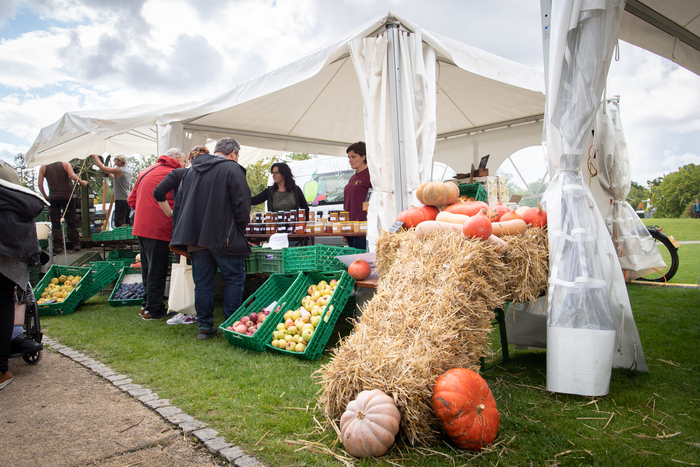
(356, 190)
(284, 194)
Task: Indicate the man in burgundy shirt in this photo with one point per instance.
(154, 230)
(58, 176)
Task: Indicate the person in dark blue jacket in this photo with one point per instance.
(211, 213)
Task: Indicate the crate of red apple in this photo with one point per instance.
(249, 324)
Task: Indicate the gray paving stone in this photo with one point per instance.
(205, 434)
(77, 356)
(156, 403)
(232, 453)
(247, 461)
(106, 373)
(129, 387)
(116, 377)
(189, 427)
(122, 382)
(168, 410)
(179, 418)
(87, 361)
(148, 397)
(139, 392)
(217, 444)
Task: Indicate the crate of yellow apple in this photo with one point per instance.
(61, 289)
(311, 308)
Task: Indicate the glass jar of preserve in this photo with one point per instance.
(293, 216)
(344, 216)
(312, 216)
(333, 216)
(301, 215)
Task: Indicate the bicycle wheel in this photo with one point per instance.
(670, 254)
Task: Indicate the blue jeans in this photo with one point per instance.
(204, 265)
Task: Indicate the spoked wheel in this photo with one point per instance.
(670, 255)
(34, 358)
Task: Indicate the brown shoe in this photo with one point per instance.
(142, 311)
(5, 379)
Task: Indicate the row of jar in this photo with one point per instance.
(301, 228)
(298, 216)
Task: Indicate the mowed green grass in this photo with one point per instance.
(266, 403)
(683, 230)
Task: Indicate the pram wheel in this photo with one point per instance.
(33, 359)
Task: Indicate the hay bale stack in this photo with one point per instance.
(527, 262)
(387, 245)
(432, 312)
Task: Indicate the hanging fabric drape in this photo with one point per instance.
(635, 247)
(416, 70)
(581, 334)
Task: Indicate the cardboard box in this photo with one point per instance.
(496, 188)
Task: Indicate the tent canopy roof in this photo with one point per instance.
(314, 104)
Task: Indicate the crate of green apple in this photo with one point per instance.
(312, 307)
(258, 313)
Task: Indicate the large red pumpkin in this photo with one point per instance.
(414, 216)
(466, 409)
(437, 193)
(468, 208)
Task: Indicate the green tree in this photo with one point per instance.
(638, 195)
(27, 176)
(672, 193)
(258, 173)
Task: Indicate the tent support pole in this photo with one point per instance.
(400, 179)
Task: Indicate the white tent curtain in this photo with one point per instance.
(581, 332)
(635, 247)
(417, 79)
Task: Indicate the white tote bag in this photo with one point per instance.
(181, 297)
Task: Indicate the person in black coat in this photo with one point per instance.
(284, 194)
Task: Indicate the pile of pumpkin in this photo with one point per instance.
(443, 209)
(462, 401)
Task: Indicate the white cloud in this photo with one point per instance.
(32, 61)
(24, 115)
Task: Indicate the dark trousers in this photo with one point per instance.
(121, 213)
(56, 209)
(7, 319)
(357, 242)
(155, 263)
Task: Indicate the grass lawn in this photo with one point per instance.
(266, 402)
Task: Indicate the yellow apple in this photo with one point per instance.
(311, 289)
(315, 296)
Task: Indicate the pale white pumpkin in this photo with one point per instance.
(370, 424)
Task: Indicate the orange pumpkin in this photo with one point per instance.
(414, 216)
(536, 217)
(437, 193)
(359, 269)
(497, 211)
(478, 226)
(511, 216)
(469, 208)
(466, 409)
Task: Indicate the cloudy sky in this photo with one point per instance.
(66, 55)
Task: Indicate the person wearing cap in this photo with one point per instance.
(19, 249)
(58, 176)
(122, 187)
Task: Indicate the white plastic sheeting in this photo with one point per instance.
(635, 247)
(587, 294)
(417, 110)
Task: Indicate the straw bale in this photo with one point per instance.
(527, 263)
(432, 312)
(387, 244)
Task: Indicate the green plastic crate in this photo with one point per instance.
(103, 236)
(84, 260)
(334, 308)
(274, 289)
(124, 302)
(100, 279)
(252, 262)
(73, 299)
(117, 264)
(316, 258)
(122, 254)
(474, 190)
(123, 233)
(270, 261)
(43, 244)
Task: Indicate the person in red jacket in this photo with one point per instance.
(154, 230)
